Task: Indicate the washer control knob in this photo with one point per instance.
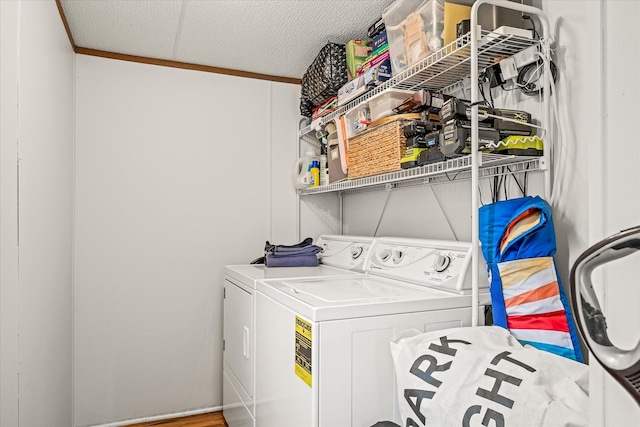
(397, 256)
(384, 255)
(356, 251)
(441, 263)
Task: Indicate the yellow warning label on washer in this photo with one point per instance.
(303, 350)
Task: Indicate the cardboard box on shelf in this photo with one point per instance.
(334, 164)
(373, 62)
(453, 15)
(357, 53)
(379, 41)
(336, 157)
(369, 79)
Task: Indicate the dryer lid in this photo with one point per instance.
(249, 274)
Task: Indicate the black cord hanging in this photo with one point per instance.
(528, 71)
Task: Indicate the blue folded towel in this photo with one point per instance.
(284, 251)
(302, 254)
(291, 261)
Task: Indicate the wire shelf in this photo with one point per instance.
(457, 169)
(442, 69)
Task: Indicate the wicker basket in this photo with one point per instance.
(377, 150)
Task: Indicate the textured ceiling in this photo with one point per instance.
(273, 37)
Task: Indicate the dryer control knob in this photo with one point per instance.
(441, 263)
(397, 256)
(356, 251)
(384, 255)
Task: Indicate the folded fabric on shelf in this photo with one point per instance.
(302, 254)
(268, 247)
(307, 250)
(291, 261)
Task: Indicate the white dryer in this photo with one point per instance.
(323, 357)
(341, 256)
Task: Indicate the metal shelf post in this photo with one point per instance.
(475, 226)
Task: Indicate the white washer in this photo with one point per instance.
(341, 256)
(323, 357)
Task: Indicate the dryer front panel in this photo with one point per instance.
(238, 334)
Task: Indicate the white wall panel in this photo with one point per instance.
(37, 129)
(172, 177)
(597, 51)
(574, 96)
(410, 212)
(622, 155)
(284, 132)
(621, 207)
(9, 213)
(319, 214)
(441, 211)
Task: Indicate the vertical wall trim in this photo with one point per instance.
(298, 198)
(600, 224)
(596, 36)
(269, 161)
(73, 241)
(9, 362)
(18, 103)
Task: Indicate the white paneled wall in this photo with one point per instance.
(614, 192)
(598, 55)
(177, 174)
(441, 211)
(9, 213)
(283, 154)
(36, 187)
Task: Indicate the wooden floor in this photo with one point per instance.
(212, 419)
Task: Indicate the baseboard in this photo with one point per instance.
(160, 417)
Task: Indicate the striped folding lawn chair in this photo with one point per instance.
(518, 244)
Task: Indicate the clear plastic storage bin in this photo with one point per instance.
(358, 119)
(414, 30)
(382, 105)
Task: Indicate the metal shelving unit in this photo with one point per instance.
(457, 169)
(444, 71)
(439, 71)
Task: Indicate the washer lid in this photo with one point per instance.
(352, 297)
(249, 274)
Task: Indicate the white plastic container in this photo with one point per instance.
(301, 176)
(382, 105)
(414, 31)
(357, 120)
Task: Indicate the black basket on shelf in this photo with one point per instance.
(324, 77)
